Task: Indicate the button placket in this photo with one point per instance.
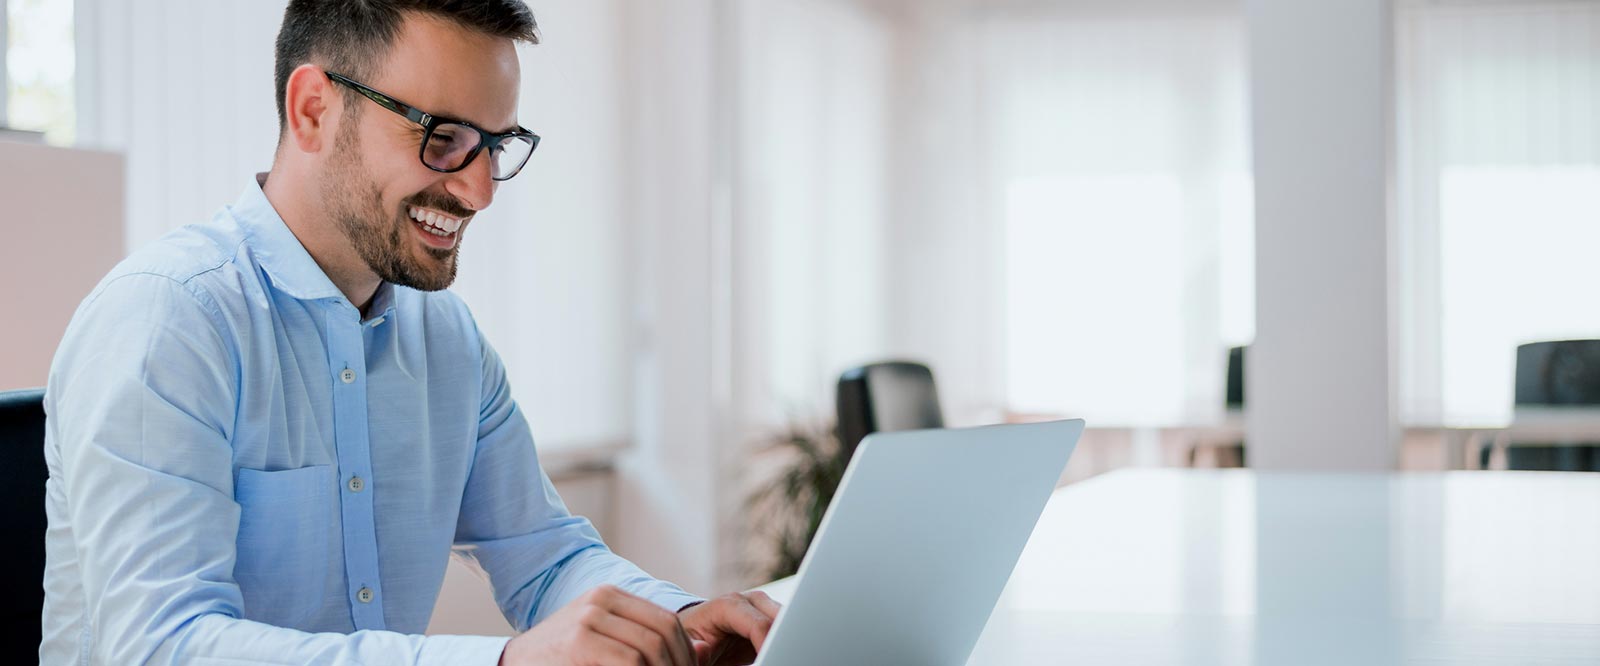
(347, 361)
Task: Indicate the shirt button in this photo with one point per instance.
(364, 595)
(347, 376)
(356, 484)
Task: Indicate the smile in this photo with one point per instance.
(435, 222)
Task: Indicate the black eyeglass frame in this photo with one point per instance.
(429, 122)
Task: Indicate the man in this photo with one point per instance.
(266, 433)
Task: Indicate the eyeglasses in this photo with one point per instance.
(449, 145)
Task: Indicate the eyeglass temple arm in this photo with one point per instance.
(411, 113)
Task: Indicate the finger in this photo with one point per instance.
(658, 619)
(662, 621)
(644, 612)
(741, 617)
(639, 638)
(704, 652)
(764, 603)
(610, 650)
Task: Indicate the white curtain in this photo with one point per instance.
(1118, 160)
(1499, 149)
(810, 202)
(184, 90)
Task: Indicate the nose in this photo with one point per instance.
(473, 185)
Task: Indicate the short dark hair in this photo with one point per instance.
(351, 36)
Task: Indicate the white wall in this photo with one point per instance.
(1321, 373)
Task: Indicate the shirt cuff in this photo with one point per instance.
(476, 650)
(676, 602)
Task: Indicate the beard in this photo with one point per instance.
(381, 237)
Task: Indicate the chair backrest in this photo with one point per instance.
(894, 395)
(1557, 373)
(22, 477)
(1563, 372)
(1235, 388)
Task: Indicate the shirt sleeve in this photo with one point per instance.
(514, 526)
(141, 404)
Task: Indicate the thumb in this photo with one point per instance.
(703, 652)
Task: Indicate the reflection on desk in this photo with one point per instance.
(1158, 566)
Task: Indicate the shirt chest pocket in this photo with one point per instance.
(283, 546)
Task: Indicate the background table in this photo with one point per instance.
(1238, 567)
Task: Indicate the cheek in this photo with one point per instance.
(399, 191)
(396, 176)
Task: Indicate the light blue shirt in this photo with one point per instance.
(245, 471)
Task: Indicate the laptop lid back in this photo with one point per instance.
(918, 544)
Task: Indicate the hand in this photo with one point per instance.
(604, 627)
(730, 629)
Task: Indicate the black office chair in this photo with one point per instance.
(22, 477)
(895, 395)
(1229, 455)
(1235, 388)
(1562, 373)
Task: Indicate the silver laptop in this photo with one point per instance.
(917, 545)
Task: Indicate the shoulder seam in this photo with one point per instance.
(183, 282)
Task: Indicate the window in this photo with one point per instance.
(1500, 195)
(1121, 159)
(39, 67)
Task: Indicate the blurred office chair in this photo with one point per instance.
(1229, 454)
(895, 395)
(1563, 373)
(1235, 388)
(22, 477)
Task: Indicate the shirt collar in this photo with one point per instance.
(276, 249)
(382, 306)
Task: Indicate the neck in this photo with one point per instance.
(292, 195)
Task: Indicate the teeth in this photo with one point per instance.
(435, 222)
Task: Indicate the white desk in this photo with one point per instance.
(1160, 566)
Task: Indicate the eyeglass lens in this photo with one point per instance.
(452, 144)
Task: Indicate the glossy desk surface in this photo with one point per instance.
(1159, 566)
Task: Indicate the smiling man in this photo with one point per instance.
(268, 432)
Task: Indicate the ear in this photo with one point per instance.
(309, 104)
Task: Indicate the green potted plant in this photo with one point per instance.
(787, 508)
